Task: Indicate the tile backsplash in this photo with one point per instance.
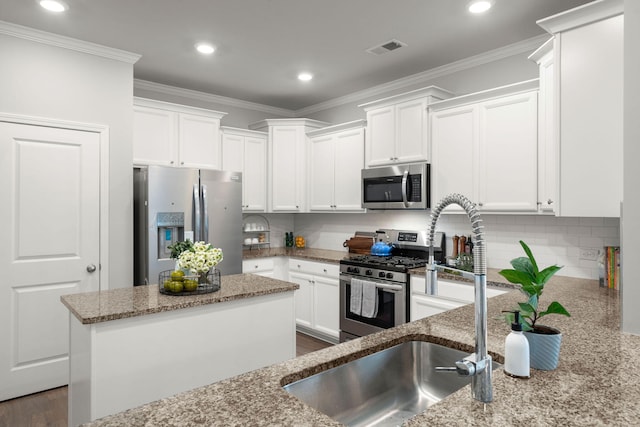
(553, 240)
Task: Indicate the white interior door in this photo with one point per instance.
(49, 186)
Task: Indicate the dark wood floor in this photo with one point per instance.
(49, 408)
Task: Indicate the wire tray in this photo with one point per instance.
(190, 284)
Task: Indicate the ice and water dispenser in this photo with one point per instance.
(170, 230)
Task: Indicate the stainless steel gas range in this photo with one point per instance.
(375, 290)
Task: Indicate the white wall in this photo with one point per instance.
(512, 69)
(52, 82)
(553, 240)
(631, 196)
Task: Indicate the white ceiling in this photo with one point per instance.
(263, 44)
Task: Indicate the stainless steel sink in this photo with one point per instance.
(385, 388)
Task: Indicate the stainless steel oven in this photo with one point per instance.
(393, 302)
(390, 276)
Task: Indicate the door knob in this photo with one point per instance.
(91, 268)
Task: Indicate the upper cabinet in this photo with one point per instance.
(547, 141)
(175, 135)
(588, 57)
(246, 151)
(336, 156)
(287, 162)
(397, 127)
(485, 147)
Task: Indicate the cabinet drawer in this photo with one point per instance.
(257, 265)
(315, 268)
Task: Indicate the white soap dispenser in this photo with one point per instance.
(516, 351)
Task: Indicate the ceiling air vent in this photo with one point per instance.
(386, 47)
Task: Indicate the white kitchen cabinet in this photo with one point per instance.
(246, 151)
(175, 135)
(287, 162)
(450, 295)
(318, 299)
(485, 147)
(336, 156)
(397, 127)
(588, 56)
(547, 140)
(274, 267)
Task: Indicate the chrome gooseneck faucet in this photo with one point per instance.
(478, 364)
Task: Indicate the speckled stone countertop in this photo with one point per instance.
(321, 255)
(596, 383)
(96, 307)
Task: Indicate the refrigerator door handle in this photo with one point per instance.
(196, 213)
(205, 214)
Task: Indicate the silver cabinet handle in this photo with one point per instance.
(549, 202)
(91, 268)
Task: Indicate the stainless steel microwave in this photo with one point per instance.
(397, 187)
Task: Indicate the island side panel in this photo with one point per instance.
(142, 359)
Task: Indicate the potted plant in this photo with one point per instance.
(544, 341)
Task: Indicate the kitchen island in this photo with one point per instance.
(135, 345)
(596, 382)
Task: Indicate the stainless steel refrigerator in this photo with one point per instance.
(175, 204)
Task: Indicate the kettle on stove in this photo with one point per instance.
(381, 248)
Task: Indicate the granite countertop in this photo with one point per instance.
(596, 383)
(102, 306)
(320, 255)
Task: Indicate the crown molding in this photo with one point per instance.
(582, 15)
(208, 97)
(65, 42)
(485, 95)
(525, 46)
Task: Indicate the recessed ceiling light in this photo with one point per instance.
(305, 77)
(53, 5)
(205, 48)
(479, 6)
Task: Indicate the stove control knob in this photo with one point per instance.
(389, 275)
(350, 269)
(369, 272)
(356, 270)
(381, 274)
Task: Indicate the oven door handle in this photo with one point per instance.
(405, 176)
(382, 286)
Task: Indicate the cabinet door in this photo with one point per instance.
(254, 177)
(321, 173)
(349, 161)
(326, 304)
(411, 131)
(425, 306)
(591, 128)
(303, 298)
(233, 153)
(454, 140)
(154, 136)
(508, 167)
(199, 142)
(381, 136)
(286, 164)
(547, 141)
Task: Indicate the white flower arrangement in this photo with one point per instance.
(201, 258)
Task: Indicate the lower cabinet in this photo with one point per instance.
(424, 306)
(273, 267)
(450, 295)
(318, 299)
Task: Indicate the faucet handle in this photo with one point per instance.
(466, 367)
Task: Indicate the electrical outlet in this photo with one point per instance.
(589, 254)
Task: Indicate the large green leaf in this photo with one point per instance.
(544, 276)
(530, 256)
(515, 276)
(524, 265)
(555, 308)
